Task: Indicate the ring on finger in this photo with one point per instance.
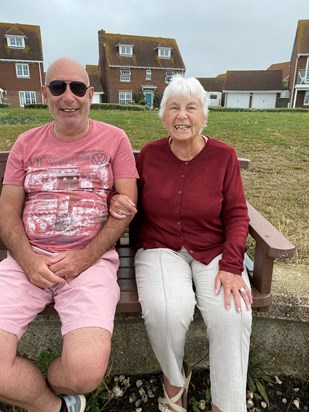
(241, 290)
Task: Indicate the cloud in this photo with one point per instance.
(213, 35)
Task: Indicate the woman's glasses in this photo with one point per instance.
(58, 87)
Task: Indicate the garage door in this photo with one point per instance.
(238, 100)
(263, 101)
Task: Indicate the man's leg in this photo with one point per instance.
(83, 361)
(21, 382)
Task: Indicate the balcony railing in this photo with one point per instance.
(303, 77)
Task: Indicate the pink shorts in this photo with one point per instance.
(88, 300)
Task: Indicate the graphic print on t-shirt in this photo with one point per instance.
(66, 197)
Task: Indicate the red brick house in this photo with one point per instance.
(136, 64)
(21, 64)
(299, 67)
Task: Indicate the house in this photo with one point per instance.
(131, 65)
(94, 78)
(284, 98)
(258, 89)
(21, 64)
(299, 67)
(285, 67)
(214, 87)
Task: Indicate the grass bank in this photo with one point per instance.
(276, 143)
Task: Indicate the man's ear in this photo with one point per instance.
(44, 93)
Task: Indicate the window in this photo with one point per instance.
(126, 51)
(306, 99)
(164, 52)
(22, 70)
(125, 97)
(125, 75)
(148, 74)
(16, 42)
(26, 98)
(168, 76)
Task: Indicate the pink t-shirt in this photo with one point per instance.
(67, 183)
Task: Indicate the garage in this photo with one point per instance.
(240, 100)
(256, 89)
(263, 100)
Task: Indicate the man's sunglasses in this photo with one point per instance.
(58, 87)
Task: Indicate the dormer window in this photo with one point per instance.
(15, 42)
(126, 50)
(164, 52)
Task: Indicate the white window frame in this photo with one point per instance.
(306, 99)
(164, 52)
(148, 74)
(168, 76)
(22, 70)
(125, 97)
(125, 75)
(27, 97)
(126, 50)
(16, 42)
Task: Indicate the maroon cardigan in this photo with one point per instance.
(197, 204)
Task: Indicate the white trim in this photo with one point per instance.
(251, 91)
(21, 61)
(144, 67)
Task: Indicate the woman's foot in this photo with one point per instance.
(175, 398)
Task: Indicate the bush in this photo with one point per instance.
(35, 106)
(5, 106)
(116, 106)
(240, 109)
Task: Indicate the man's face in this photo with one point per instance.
(68, 107)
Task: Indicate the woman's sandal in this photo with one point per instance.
(165, 402)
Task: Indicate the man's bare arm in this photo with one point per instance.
(13, 234)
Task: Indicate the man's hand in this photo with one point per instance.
(69, 264)
(39, 272)
(233, 284)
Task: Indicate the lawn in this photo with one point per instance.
(277, 143)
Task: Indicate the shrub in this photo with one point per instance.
(116, 106)
(35, 106)
(5, 106)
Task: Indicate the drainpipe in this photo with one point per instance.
(293, 96)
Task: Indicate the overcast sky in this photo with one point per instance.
(213, 35)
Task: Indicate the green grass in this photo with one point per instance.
(277, 143)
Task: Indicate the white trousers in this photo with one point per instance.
(170, 284)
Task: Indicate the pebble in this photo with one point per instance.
(264, 405)
(284, 400)
(117, 391)
(296, 403)
(139, 383)
(250, 403)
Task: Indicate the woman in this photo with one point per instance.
(194, 224)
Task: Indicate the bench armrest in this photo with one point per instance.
(270, 244)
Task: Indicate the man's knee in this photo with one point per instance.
(86, 368)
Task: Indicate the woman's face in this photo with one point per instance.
(183, 117)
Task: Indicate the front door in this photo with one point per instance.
(149, 99)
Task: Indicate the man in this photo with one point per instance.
(60, 237)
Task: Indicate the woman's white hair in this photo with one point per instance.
(179, 86)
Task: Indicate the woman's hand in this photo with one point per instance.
(121, 206)
(233, 284)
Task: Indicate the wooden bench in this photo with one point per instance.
(270, 244)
